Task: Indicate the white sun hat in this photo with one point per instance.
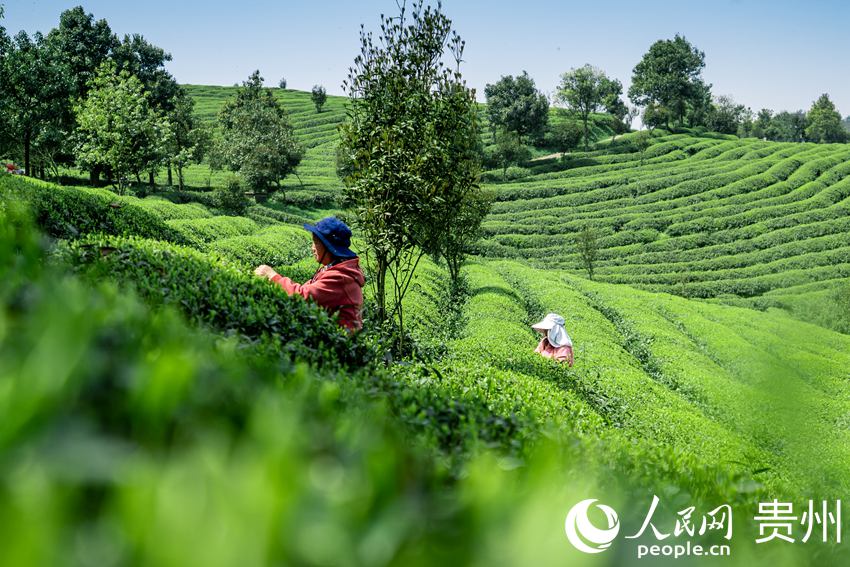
(557, 334)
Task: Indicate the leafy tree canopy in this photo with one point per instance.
(318, 95)
(147, 63)
(725, 115)
(824, 122)
(586, 90)
(118, 129)
(515, 105)
(410, 148)
(81, 44)
(33, 95)
(257, 140)
(670, 75)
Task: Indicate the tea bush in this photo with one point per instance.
(214, 293)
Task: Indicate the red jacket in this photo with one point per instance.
(337, 288)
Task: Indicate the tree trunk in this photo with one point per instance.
(169, 177)
(27, 136)
(179, 176)
(150, 178)
(381, 289)
(586, 117)
(454, 270)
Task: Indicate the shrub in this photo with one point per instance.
(278, 245)
(65, 212)
(231, 199)
(216, 294)
(199, 233)
(565, 136)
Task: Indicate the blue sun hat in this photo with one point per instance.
(335, 235)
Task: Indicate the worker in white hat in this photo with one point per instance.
(556, 343)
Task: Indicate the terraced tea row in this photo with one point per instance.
(740, 217)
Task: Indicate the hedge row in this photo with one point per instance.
(67, 212)
(199, 233)
(214, 293)
(657, 190)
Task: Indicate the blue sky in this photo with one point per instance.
(781, 54)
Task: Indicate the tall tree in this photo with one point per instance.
(824, 122)
(746, 124)
(118, 129)
(318, 95)
(515, 105)
(621, 115)
(655, 115)
(762, 123)
(146, 62)
(642, 143)
(257, 140)
(725, 115)
(700, 106)
(670, 75)
(5, 129)
(507, 151)
(82, 44)
(35, 88)
(410, 145)
(586, 90)
(788, 127)
(587, 246)
(189, 140)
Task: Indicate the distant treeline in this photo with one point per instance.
(667, 90)
(81, 96)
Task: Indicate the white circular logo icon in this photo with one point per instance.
(583, 534)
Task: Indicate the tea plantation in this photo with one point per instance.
(165, 406)
(695, 216)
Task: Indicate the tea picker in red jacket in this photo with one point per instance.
(556, 344)
(337, 284)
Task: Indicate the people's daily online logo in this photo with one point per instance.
(583, 534)
(592, 527)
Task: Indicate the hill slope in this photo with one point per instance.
(757, 224)
(676, 396)
(317, 182)
(651, 367)
(699, 217)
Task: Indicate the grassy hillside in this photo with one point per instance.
(680, 397)
(751, 223)
(695, 216)
(317, 183)
(159, 397)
